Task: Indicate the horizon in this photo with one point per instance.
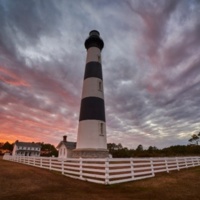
(133, 148)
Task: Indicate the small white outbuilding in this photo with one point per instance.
(65, 148)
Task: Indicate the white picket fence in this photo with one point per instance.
(109, 170)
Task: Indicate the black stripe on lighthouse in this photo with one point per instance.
(92, 108)
(93, 69)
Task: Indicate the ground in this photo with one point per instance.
(19, 181)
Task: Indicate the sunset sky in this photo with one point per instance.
(151, 69)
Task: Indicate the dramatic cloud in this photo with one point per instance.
(151, 68)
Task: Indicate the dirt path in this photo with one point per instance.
(18, 181)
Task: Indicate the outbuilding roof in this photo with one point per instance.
(68, 145)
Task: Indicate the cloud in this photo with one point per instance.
(165, 71)
(150, 67)
(10, 78)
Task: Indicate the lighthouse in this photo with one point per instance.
(91, 139)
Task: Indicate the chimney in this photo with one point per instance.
(64, 138)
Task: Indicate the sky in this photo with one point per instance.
(150, 61)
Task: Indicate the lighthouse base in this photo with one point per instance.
(90, 153)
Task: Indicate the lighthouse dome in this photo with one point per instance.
(94, 40)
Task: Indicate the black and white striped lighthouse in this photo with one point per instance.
(91, 141)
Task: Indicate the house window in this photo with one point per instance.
(101, 129)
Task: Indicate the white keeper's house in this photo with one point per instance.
(65, 148)
(26, 149)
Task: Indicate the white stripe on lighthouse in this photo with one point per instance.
(93, 135)
(93, 55)
(93, 87)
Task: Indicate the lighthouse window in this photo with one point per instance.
(100, 86)
(101, 129)
(99, 58)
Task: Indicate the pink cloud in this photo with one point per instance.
(10, 78)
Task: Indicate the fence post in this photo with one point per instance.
(152, 168)
(62, 166)
(81, 167)
(192, 161)
(40, 161)
(50, 163)
(106, 171)
(132, 168)
(198, 160)
(177, 164)
(166, 164)
(186, 162)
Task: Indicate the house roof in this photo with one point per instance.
(27, 144)
(68, 145)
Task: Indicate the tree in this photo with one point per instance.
(48, 150)
(7, 146)
(139, 148)
(112, 146)
(152, 148)
(195, 138)
(1, 144)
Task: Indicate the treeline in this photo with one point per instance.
(118, 151)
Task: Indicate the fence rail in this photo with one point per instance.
(109, 170)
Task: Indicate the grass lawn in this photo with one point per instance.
(19, 181)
